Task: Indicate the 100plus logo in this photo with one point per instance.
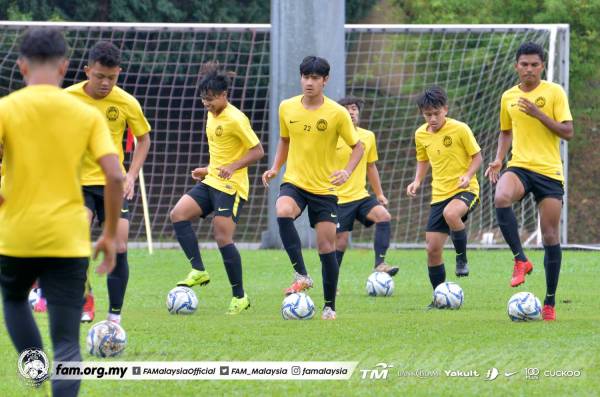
(380, 371)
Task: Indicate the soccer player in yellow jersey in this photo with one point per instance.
(354, 202)
(309, 128)
(121, 110)
(534, 117)
(44, 235)
(222, 187)
(450, 148)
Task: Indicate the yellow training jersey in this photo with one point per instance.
(45, 133)
(230, 135)
(534, 146)
(121, 110)
(313, 138)
(354, 188)
(449, 151)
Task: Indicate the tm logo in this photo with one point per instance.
(380, 371)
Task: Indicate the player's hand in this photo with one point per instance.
(200, 173)
(413, 188)
(528, 107)
(226, 171)
(464, 181)
(493, 170)
(129, 187)
(339, 177)
(382, 200)
(267, 176)
(108, 246)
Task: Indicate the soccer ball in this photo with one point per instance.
(182, 300)
(297, 306)
(34, 297)
(524, 306)
(106, 339)
(380, 284)
(448, 296)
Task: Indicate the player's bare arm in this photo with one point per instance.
(422, 168)
(283, 148)
(375, 182)
(563, 130)
(504, 142)
(252, 156)
(465, 180)
(142, 147)
(341, 176)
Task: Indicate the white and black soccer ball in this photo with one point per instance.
(380, 284)
(524, 306)
(34, 297)
(297, 306)
(448, 296)
(106, 339)
(182, 300)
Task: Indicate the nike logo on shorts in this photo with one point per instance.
(124, 211)
(333, 215)
(222, 209)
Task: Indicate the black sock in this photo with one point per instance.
(189, 243)
(116, 283)
(459, 239)
(437, 275)
(382, 241)
(340, 256)
(510, 230)
(292, 244)
(21, 326)
(552, 261)
(330, 271)
(64, 332)
(233, 266)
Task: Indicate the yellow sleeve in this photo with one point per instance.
(246, 134)
(505, 121)
(136, 120)
(283, 129)
(421, 152)
(372, 155)
(100, 143)
(346, 129)
(561, 106)
(469, 141)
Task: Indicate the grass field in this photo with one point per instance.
(393, 330)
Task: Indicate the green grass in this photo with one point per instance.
(393, 330)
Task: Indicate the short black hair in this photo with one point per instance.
(314, 65)
(434, 97)
(105, 53)
(352, 100)
(42, 44)
(531, 48)
(213, 79)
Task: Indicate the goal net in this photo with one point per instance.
(386, 65)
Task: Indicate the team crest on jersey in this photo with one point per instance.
(112, 113)
(322, 125)
(219, 131)
(447, 141)
(540, 101)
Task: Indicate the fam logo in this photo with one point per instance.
(380, 372)
(219, 131)
(33, 366)
(447, 141)
(112, 113)
(322, 125)
(540, 102)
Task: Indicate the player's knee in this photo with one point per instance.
(502, 200)
(176, 215)
(433, 251)
(382, 216)
(223, 235)
(451, 215)
(325, 246)
(341, 243)
(550, 237)
(121, 247)
(285, 211)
